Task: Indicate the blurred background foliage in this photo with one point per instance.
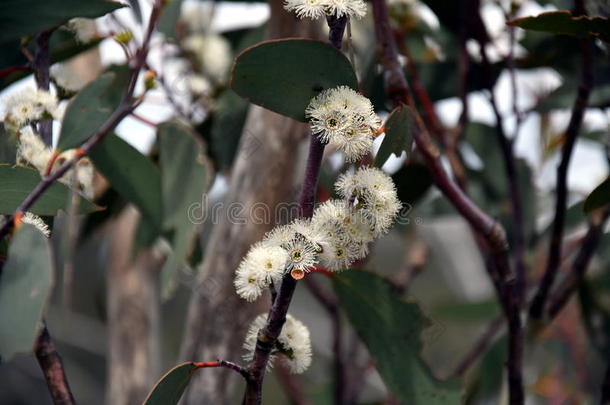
(429, 258)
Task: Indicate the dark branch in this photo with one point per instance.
(42, 76)
(53, 369)
(578, 110)
(492, 232)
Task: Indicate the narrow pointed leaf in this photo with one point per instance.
(132, 174)
(599, 197)
(91, 108)
(398, 135)
(562, 22)
(169, 389)
(391, 329)
(186, 175)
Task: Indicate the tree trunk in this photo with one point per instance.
(133, 315)
(262, 178)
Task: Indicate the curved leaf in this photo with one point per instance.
(398, 138)
(92, 107)
(169, 389)
(186, 175)
(25, 287)
(391, 330)
(599, 197)
(17, 182)
(28, 17)
(284, 75)
(131, 174)
(562, 22)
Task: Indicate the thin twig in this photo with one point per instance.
(42, 76)
(493, 232)
(226, 364)
(566, 289)
(578, 110)
(516, 199)
(53, 369)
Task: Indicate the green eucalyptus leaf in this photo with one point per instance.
(132, 174)
(398, 135)
(562, 22)
(25, 288)
(90, 109)
(17, 182)
(186, 175)
(284, 75)
(28, 17)
(169, 19)
(169, 389)
(391, 329)
(599, 197)
(413, 181)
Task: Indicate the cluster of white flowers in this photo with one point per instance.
(293, 346)
(27, 107)
(345, 119)
(212, 53)
(31, 150)
(318, 8)
(65, 79)
(84, 29)
(336, 236)
(37, 222)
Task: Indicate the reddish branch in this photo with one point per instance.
(578, 110)
(53, 369)
(492, 232)
(227, 364)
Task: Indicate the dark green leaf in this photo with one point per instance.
(486, 384)
(412, 181)
(284, 75)
(398, 135)
(17, 182)
(227, 127)
(185, 177)
(169, 389)
(91, 108)
(563, 23)
(391, 330)
(131, 174)
(25, 287)
(28, 17)
(8, 147)
(599, 197)
(169, 19)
